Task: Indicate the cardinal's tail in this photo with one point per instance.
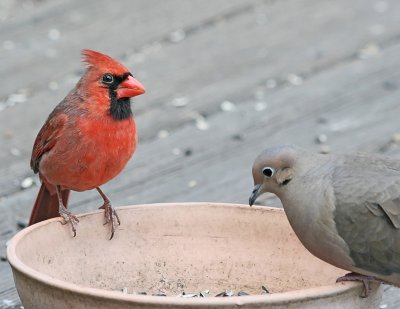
(46, 205)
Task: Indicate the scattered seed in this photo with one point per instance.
(321, 139)
(188, 152)
(16, 98)
(180, 102)
(242, 293)
(53, 86)
(27, 182)
(237, 137)
(141, 293)
(3, 258)
(204, 293)
(176, 151)
(294, 79)
(54, 34)
(192, 183)
(325, 149)
(159, 294)
(162, 134)
(264, 290)
(8, 302)
(370, 50)
(189, 295)
(177, 36)
(15, 152)
(396, 138)
(201, 123)
(229, 293)
(22, 223)
(124, 290)
(228, 106)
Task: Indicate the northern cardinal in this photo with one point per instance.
(86, 140)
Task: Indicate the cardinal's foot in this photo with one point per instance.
(366, 280)
(68, 216)
(111, 216)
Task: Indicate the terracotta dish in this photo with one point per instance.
(175, 248)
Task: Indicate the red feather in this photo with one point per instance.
(81, 146)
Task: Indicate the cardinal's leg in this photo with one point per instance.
(65, 213)
(109, 213)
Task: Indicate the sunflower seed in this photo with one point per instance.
(264, 290)
(27, 182)
(180, 102)
(228, 106)
(54, 34)
(177, 36)
(321, 139)
(294, 79)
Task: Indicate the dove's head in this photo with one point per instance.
(274, 169)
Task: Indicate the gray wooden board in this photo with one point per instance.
(230, 50)
(232, 65)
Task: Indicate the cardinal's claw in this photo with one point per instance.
(111, 216)
(68, 216)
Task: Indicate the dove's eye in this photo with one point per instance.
(268, 171)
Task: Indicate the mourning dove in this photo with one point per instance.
(345, 209)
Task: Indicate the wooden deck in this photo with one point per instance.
(224, 79)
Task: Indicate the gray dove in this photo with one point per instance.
(345, 209)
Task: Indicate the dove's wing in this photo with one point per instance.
(367, 215)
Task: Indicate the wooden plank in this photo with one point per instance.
(222, 177)
(89, 23)
(291, 116)
(212, 78)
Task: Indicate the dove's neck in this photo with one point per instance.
(309, 206)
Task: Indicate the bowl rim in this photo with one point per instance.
(303, 294)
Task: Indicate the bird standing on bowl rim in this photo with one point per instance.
(87, 139)
(345, 209)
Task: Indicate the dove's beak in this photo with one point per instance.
(256, 192)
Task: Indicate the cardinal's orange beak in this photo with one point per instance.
(130, 87)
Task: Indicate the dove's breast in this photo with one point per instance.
(312, 217)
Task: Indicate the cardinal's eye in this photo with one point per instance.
(268, 171)
(108, 78)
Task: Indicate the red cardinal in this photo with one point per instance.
(87, 139)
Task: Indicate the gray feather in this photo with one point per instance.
(367, 215)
